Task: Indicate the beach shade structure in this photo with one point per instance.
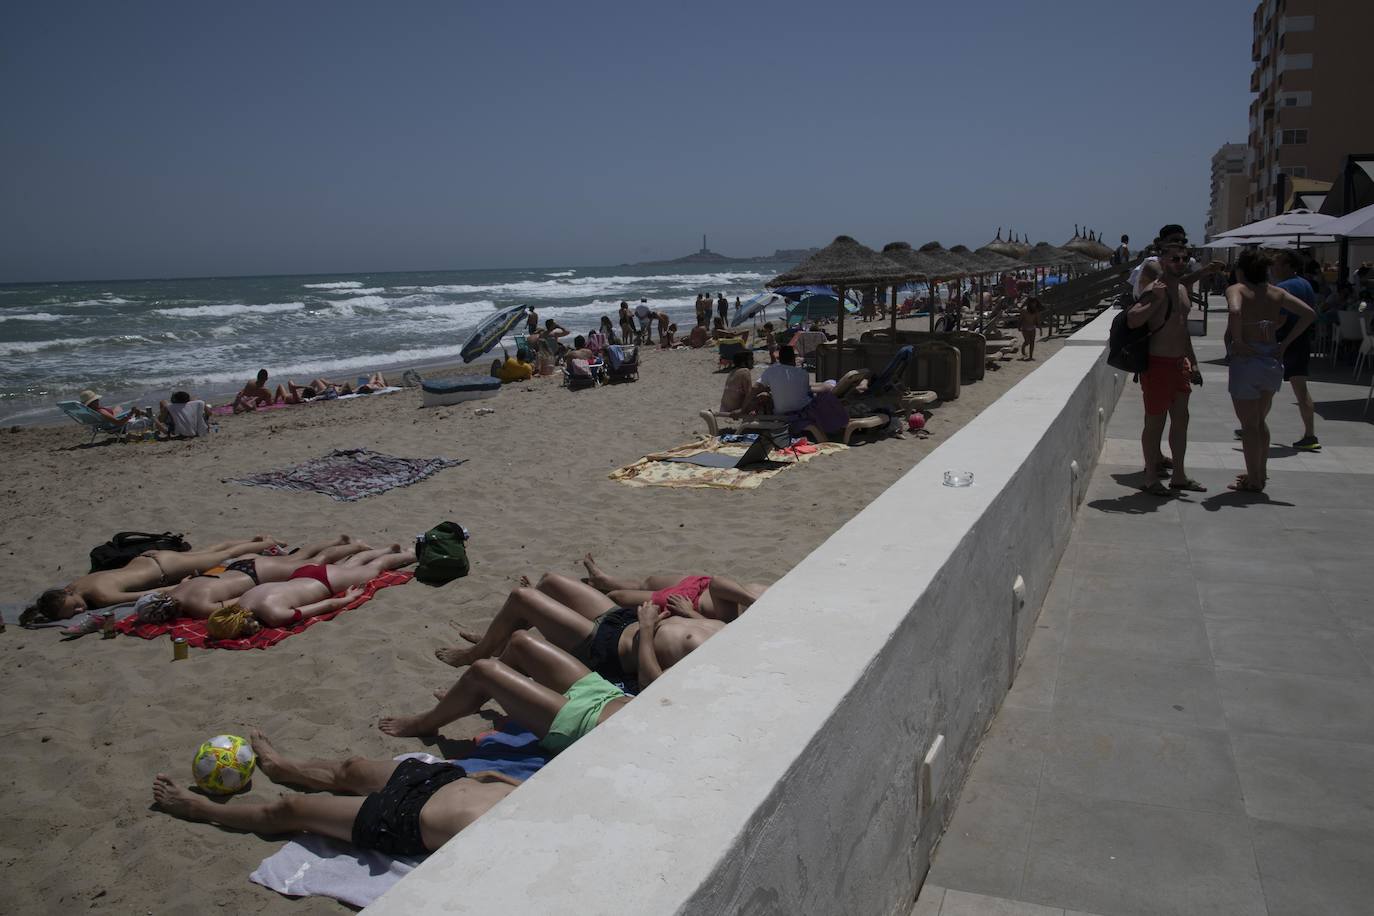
(923, 267)
(1088, 246)
(844, 264)
(1356, 225)
(1043, 254)
(999, 247)
(816, 307)
(491, 330)
(755, 306)
(1293, 226)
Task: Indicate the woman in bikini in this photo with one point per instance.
(308, 591)
(150, 572)
(1256, 371)
(580, 620)
(204, 593)
(713, 597)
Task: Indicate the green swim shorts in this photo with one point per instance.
(586, 700)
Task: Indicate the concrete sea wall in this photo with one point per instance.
(802, 762)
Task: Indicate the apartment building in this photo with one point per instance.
(1312, 84)
(1226, 209)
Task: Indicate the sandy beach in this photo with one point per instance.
(87, 723)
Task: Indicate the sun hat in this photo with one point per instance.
(86, 397)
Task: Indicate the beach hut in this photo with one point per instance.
(845, 264)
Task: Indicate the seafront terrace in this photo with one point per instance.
(1192, 728)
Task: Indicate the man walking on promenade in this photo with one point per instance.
(1166, 384)
(1286, 271)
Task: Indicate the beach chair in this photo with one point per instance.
(622, 363)
(93, 420)
(577, 376)
(893, 372)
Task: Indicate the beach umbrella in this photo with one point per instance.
(844, 264)
(754, 306)
(1356, 225)
(1294, 225)
(923, 267)
(1043, 253)
(1088, 245)
(491, 330)
(999, 247)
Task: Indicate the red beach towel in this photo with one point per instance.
(193, 631)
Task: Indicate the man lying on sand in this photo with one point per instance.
(622, 644)
(204, 593)
(307, 592)
(537, 684)
(713, 597)
(152, 571)
(409, 809)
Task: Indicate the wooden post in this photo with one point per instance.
(839, 341)
(894, 311)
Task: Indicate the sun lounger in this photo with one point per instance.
(583, 374)
(622, 363)
(93, 420)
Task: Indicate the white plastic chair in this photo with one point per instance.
(1366, 346)
(1350, 329)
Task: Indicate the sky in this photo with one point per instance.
(151, 139)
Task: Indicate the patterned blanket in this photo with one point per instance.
(655, 471)
(350, 474)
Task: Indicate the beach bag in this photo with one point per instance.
(1128, 348)
(441, 554)
(124, 546)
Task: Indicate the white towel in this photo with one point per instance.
(188, 419)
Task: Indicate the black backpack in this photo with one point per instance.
(124, 546)
(1128, 348)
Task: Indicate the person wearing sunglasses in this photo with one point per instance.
(1162, 307)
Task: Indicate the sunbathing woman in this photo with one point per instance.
(152, 571)
(310, 590)
(204, 593)
(544, 688)
(410, 807)
(714, 597)
(621, 644)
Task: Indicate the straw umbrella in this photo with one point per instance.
(1002, 248)
(954, 269)
(924, 268)
(844, 264)
(1088, 245)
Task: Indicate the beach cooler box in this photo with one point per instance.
(442, 391)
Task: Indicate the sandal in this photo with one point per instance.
(1156, 489)
(1189, 484)
(1243, 485)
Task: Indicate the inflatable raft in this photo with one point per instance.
(439, 392)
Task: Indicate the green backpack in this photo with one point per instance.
(441, 554)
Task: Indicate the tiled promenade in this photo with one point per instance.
(1192, 729)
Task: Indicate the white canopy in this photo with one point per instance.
(1356, 225)
(1296, 224)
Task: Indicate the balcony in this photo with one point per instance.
(1255, 80)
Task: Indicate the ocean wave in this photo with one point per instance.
(314, 367)
(344, 284)
(226, 311)
(32, 316)
(578, 287)
(17, 348)
(561, 273)
(460, 311)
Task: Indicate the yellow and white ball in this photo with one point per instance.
(223, 765)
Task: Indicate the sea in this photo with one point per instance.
(135, 341)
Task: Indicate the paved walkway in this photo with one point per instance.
(1192, 730)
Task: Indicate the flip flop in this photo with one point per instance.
(1188, 484)
(1156, 489)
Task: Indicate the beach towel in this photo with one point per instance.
(313, 865)
(193, 631)
(659, 470)
(188, 420)
(224, 409)
(349, 474)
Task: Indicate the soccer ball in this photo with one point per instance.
(223, 765)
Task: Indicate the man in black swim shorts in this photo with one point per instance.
(408, 808)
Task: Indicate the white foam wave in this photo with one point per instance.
(320, 366)
(578, 287)
(17, 348)
(345, 284)
(228, 311)
(561, 273)
(458, 311)
(32, 316)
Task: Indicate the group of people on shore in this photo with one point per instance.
(561, 657)
(256, 394)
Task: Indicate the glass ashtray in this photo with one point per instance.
(958, 478)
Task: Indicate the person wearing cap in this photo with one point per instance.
(1149, 269)
(1167, 383)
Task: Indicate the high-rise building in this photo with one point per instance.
(1311, 83)
(1226, 209)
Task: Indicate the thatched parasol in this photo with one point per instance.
(979, 262)
(953, 268)
(1043, 253)
(996, 260)
(845, 264)
(999, 247)
(927, 269)
(1088, 245)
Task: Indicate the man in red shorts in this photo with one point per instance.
(1167, 383)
